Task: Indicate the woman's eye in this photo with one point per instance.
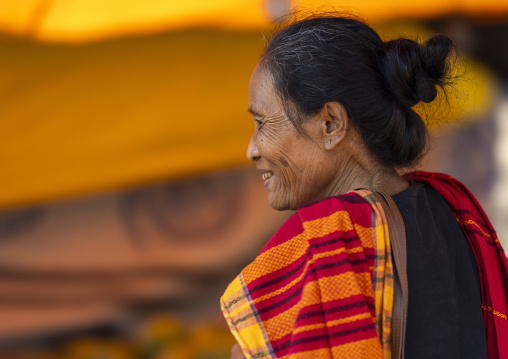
(259, 123)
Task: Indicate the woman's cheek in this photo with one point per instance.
(290, 180)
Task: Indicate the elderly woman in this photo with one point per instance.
(334, 125)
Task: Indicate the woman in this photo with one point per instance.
(332, 106)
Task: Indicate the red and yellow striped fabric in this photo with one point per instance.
(322, 285)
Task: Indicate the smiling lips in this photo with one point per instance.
(266, 175)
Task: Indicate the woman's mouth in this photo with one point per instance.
(266, 175)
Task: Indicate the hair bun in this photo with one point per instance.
(412, 71)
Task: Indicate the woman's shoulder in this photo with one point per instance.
(325, 206)
(435, 179)
(320, 218)
(454, 192)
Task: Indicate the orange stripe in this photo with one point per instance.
(365, 235)
(288, 286)
(495, 312)
(470, 221)
(304, 272)
(322, 226)
(276, 258)
(367, 348)
(286, 253)
(332, 323)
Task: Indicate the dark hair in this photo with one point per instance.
(330, 58)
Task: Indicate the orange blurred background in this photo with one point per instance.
(126, 200)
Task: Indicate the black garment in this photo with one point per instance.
(444, 310)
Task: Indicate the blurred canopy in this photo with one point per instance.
(87, 106)
(84, 20)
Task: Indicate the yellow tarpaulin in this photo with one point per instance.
(106, 115)
(80, 119)
(85, 20)
(82, 20)
(101, 115)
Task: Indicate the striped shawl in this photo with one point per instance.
(322, 287)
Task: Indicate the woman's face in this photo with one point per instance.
(295, 168)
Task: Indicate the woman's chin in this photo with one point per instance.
(278, 207)
(277, 204)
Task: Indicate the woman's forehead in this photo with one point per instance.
(263, 98)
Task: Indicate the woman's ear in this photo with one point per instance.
(334, 123)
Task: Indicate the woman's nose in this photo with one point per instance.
(252, 150)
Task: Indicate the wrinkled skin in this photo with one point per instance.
(300, 166)
(330, 159)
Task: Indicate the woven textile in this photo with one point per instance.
(491, 259)
(321, 287)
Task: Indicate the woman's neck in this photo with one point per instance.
(360, 169)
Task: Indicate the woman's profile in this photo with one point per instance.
(372, 264)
